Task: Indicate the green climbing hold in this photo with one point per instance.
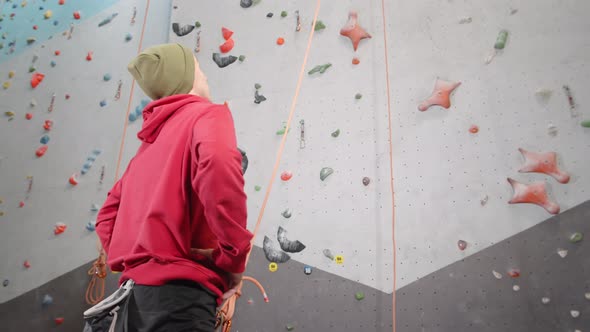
(241, 58)
(197, 24)
(290, 327)
(257, 86)
(319, 25)
(31, 40)
(32, 69)
(576, 237)
(320, 69)
(359, 296)
(586, 124)
(282, 131)
(257, 188)
(283, 14)
(336, 133)
(358, 96)
(325, 172)
(501, 40)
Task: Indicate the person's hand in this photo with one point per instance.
(234, 279)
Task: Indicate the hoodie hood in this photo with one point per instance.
(159, 111)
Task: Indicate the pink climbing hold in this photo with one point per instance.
(77, 15)
(227, 33)
(89, 56)
(535, 193)
(441, 95)
(462, 245)
(21, 204)
(353, 30)
(26, 264)
(545, 163)
(41, 151)
(73, 180)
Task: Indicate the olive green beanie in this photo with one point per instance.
(164, 70)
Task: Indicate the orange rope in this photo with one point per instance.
(98, 271)
(226, 312)
(92, 285)
(393, 308)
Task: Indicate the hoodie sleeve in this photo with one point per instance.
(105, 220)
(219, 184)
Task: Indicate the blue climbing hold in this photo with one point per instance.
(53, 63)
(144, 103)
(128, 37)
(41, 8)
(94, 207)
(14, 5)
(45, 139)
(106, 77)
(103, 103)
(96, 152)
(132, 117)
(5, 282)
(90, 226)
(47, 300)
(55, 23)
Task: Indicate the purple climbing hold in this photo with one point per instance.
(366, 181)
(462, 245)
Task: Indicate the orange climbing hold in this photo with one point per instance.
(545, 163)
(280, 41)
(73, 181)
(227, 46)
(441, 95)
(36, 79)
(227, 33)
(356, 61)
(534, 193)
(474, 129)
(77, 15)
(28, 116)
(41, 151)
(89, 56)
(354, 31)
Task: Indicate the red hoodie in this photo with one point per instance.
(183, 189)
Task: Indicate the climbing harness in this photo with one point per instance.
(226, 312)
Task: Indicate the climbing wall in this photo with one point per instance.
(78, 113)
(521, 72)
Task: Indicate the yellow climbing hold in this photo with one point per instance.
(24, 3)
(339, 259)
(6, 85)
(273, 267)
(1, 213)
(9, 113)
(48, 14)
(11, 74)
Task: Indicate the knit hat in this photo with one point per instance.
(164, 70)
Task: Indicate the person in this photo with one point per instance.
(175, 223)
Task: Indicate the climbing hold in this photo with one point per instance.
(226, 33)
(103, 103)
(284, 13)
(273, 254)
(21, 204)
(31, 40)
(89, 56)
(535, 193)
(47, 15)
(6, 85)
(562, 252)
(353, 30)
(319, 25)
(91, 226)
(552, 130)
(290, 327)
(94, 207)
(6, 282)
(59, 228)
(227, 46)
(497, 275)
(328, 254)
(339, 259)
(11, 74)
(45, 139)
(257, 188)
(587, 296)
(336, 133)
(73, 180)
(359, 296)
(356, 61)
(516, 288)
(57, 52)
(9, 113)
(585, 124)
(501, 40)
(320, 69)
(576, 237)
(462, 245)
(286, 244)
(128, 37)
(245, 3)
(26, 264)
(77, 15)
(36, 79)
(287, 213)
(325, 172)
(241, 58)
(197, 24)
(545, 163)
(545, 300)
(182, 30)
(107, 20)
(106, 77)
(258, 98)
(465, 20)
(61, 2)
(53, 63)
(514, 273)
(41, 151)
(575, 313)
(56, 23)
(441, 95)
(474, 129)
(48, 125)
(67, 97)
(286, 176)
(244, 161)
(59, 320)
(223, 61)
(280, 41)
(257, 86)
(273, 267)
(28, 116)
(366, 181)
(132, 117)
(543, 95)
(269, 15)
(47, 300)
(307, 270)
(35, 27)
(358, 96)
(32, 69)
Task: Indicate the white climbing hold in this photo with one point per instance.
(545, 300)
(516, 288)
(465, 20)
(575, 313)
(552, 130)
(543, 95)
(497, 275)
(587, 296)
(562, 252)
(484, 200)
(33, 103)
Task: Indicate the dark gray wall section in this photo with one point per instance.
(464, 296)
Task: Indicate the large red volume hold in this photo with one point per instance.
(227, 46)
(227, 33)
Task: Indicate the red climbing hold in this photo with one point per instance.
(28, 116)
(227, 33)
(36, 79)
(41, 151)
(21, 204)
(89, 56)
(77, 15)
(59, 320)
(26, 264)
(47, 125)
(59, 228)
(57, 52)
(280, 41)
(61, 2)
(67, 97)
(474, 129)
(356, 61)
(73, 181)
(286, 176)
(35, 27)
(227, 46)
(514, 273)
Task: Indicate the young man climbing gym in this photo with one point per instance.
(175, 223)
